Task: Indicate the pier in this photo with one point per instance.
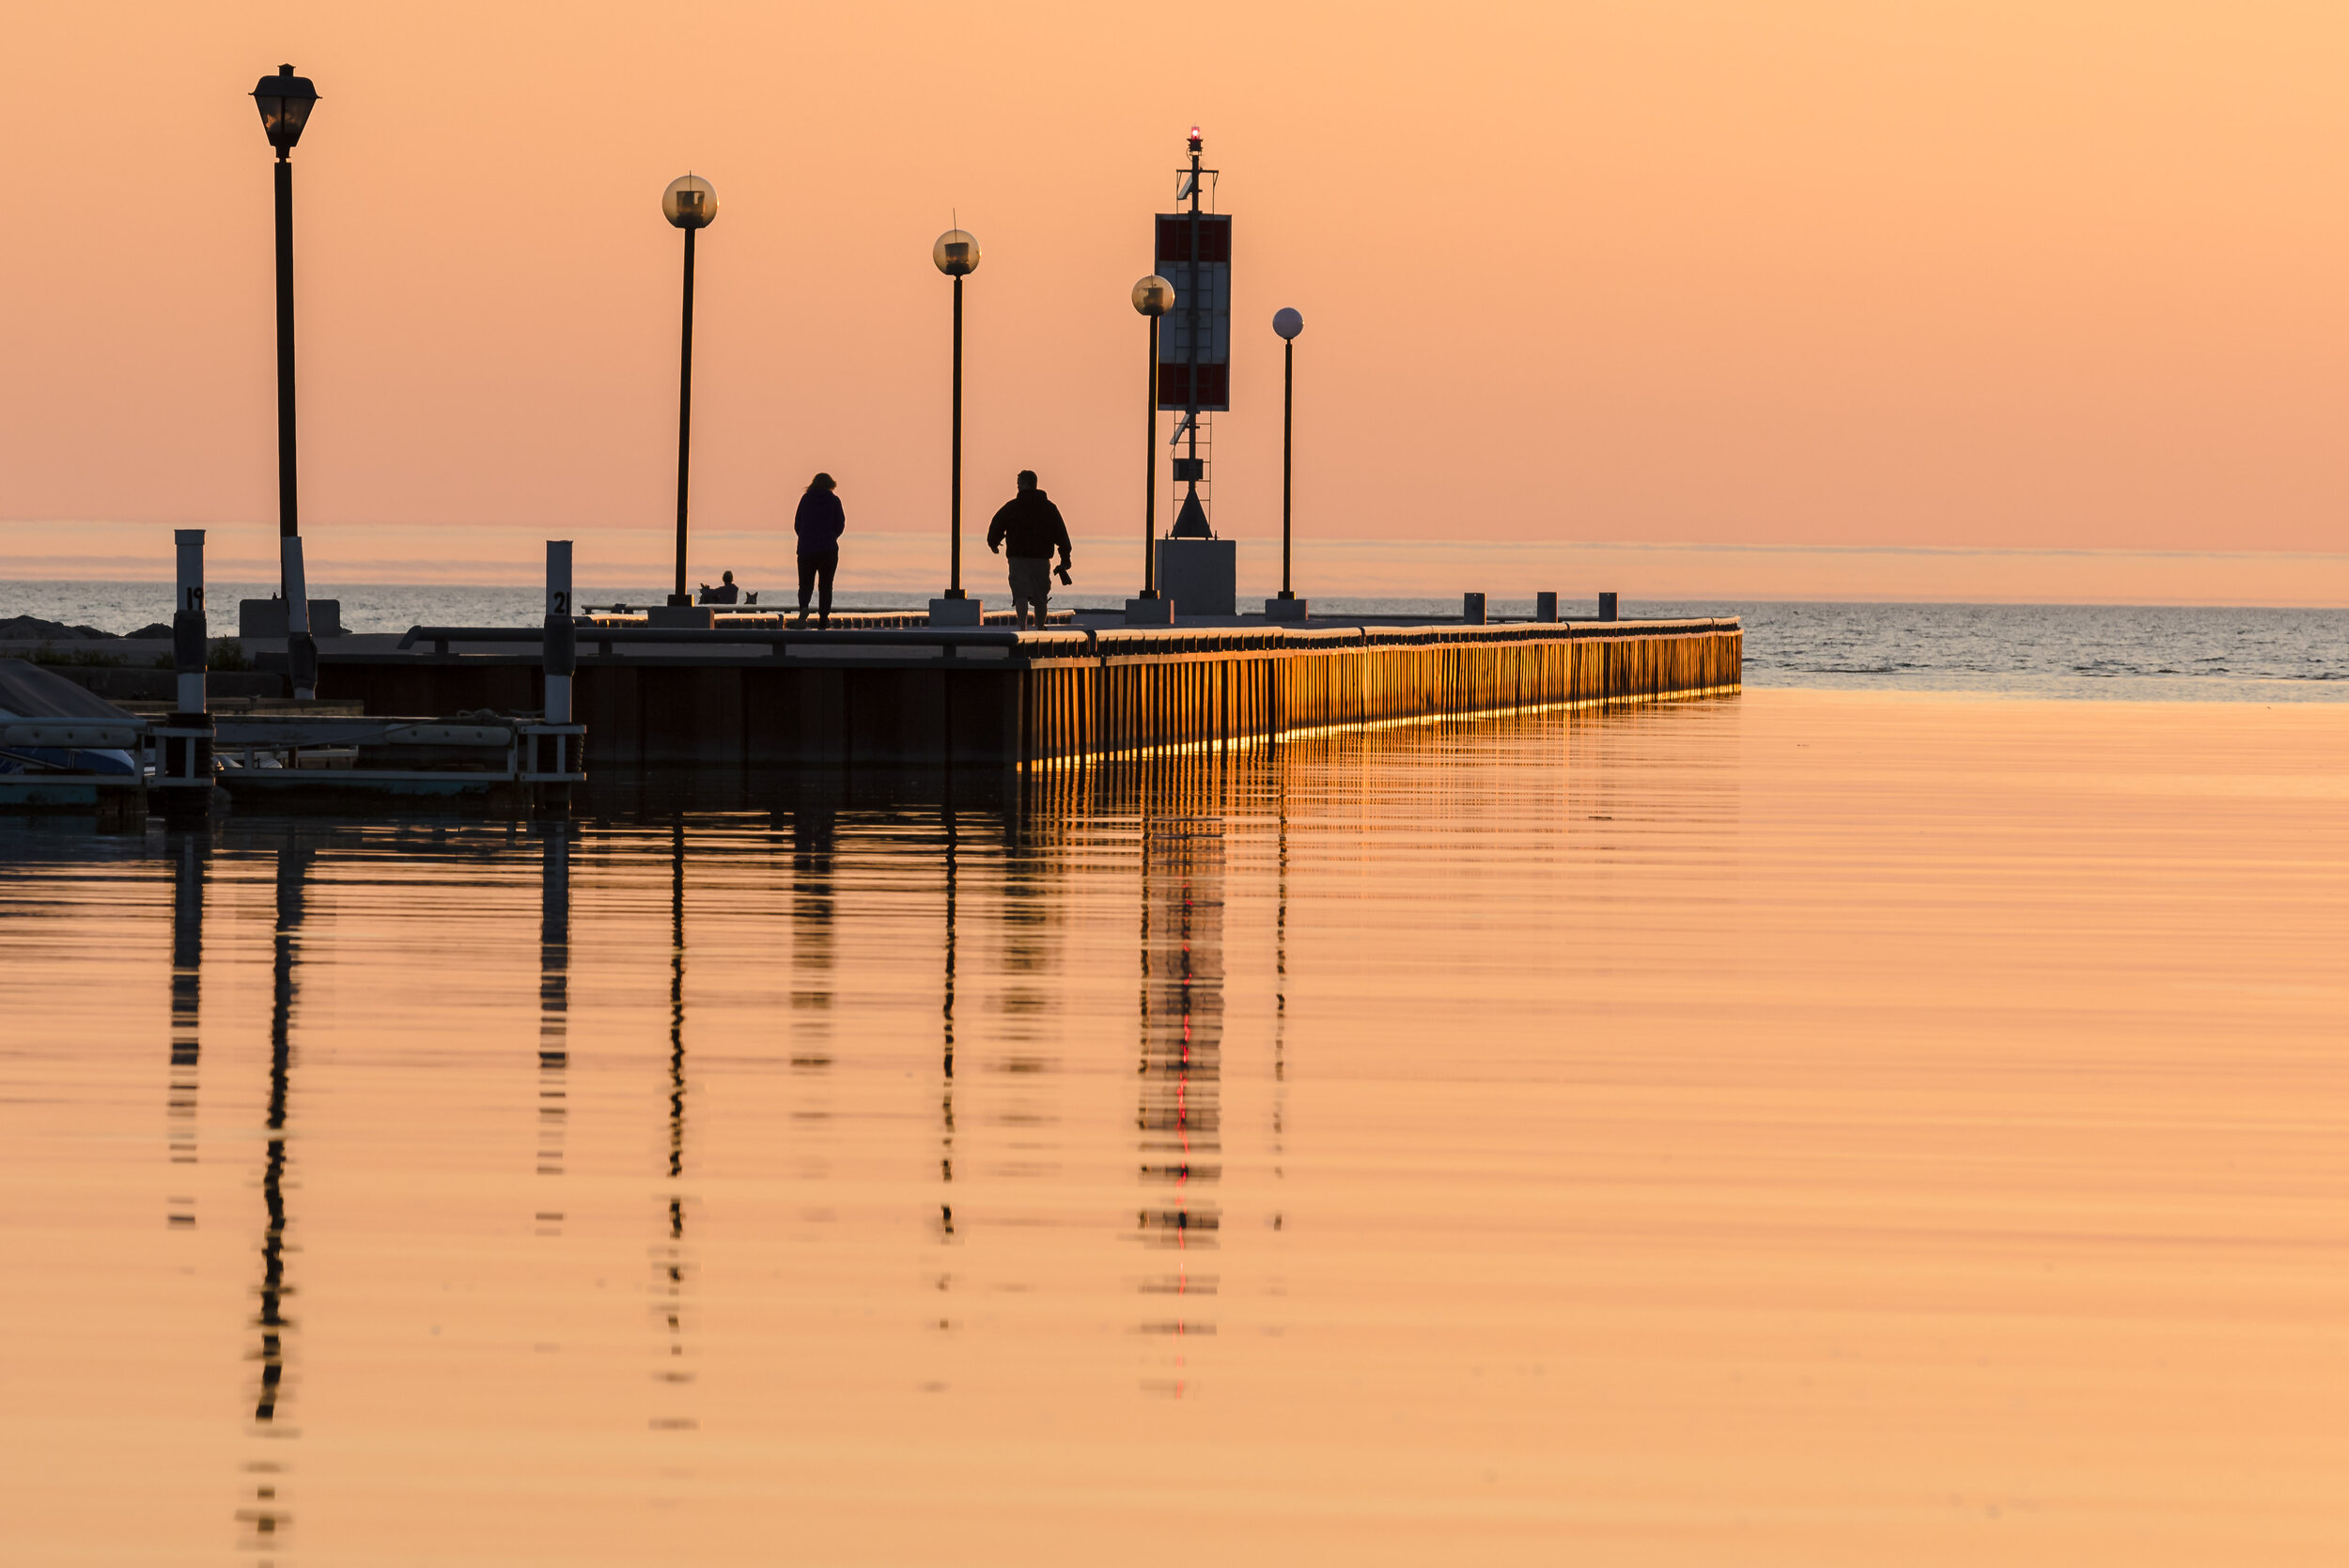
(985, 697)
(512, 717)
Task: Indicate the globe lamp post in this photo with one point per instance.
(690, 203)
(957, 255)
(285, 101)
(1153, 298)
(1287, 322)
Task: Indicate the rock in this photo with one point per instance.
(56, 632)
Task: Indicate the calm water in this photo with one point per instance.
(2097, 651)
(1807, 1129)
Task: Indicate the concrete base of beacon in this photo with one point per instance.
(1201, 575)
(957, 612)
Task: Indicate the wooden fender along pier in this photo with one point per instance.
(988, 697)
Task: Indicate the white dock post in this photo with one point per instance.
(301, 649)
(183, 766)
(560, 660)
(189, 635)
(562, 644)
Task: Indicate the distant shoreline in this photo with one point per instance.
(908, 567)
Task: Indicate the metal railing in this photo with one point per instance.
(289, 748)
(606, 637)
(284, 749)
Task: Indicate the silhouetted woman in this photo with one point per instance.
(819, 524)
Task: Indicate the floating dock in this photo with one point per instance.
(989, 697)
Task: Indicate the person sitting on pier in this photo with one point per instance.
(724, 593)
(820, 524)
(1026, 529)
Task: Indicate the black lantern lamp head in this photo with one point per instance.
(1197, 142)
(285, 100)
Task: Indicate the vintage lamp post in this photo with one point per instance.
(690, 203)
(957, 255)
(1287, 322)
(286, 101)
(1153, 297)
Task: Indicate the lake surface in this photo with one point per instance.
(1812, 1127)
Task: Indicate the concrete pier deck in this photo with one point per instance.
(992, 697)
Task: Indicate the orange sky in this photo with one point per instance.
(1950, 273)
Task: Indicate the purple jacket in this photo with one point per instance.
(820, 522)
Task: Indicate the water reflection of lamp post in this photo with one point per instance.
(1153, 297)
(1287, 322)
(267, 1511)
(946, 1103)
(286, 101)
(672, 1264)
(677, 1005)
(690, 203)
(957, 255)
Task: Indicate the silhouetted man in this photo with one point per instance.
(1027, 529)
(819, 522)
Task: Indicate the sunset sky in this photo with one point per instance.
(2013, 277)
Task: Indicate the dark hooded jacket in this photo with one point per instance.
(819, 522)
(1029, 528)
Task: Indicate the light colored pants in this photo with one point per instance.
(1031, 583)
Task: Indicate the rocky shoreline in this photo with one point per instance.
(25, 629)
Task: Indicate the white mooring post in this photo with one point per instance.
(183, 763)
(189, 634)
(559, 661)
(562, 643)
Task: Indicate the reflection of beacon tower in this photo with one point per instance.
(1193, 252)
(1182, 1063)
